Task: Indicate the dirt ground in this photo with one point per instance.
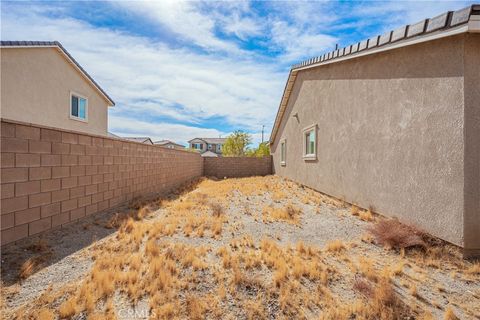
(251, 248)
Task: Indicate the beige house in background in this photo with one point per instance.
(392, 123)
(203, 145)
(144, 140)
(41, 83)
(169, 144)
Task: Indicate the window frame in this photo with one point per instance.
(283, 153)
(307, 130)
(78, 95)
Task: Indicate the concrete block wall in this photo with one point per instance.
(236, 167)
(51, 177)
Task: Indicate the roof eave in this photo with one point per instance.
(472, 24)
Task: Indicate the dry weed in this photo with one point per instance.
(393, 234)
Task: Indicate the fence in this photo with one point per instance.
(235, 167)
(51, 177)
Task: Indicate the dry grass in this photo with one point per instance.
(288, 213)
(393, 234)
(217, 209)
(45, 314)
(335, 246)
(69, 308)
(32, 265)
(366, 215)
(363, 287)
(192, 260)
(450, 315)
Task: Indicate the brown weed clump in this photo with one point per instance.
(394, 234)
(30, 266)
(217, 209)
(363, 287)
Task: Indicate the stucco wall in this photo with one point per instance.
(390, 134)
(36, 85)
(472, 144)
(51, 177)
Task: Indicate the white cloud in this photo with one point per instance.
(184, 19)
(298, 43)
(127, 127)
(150, 78)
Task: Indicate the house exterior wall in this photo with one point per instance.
(204, 145)
(173, 146)
(36, 85)
(391, 134)
(472, 144)
(51, 177)
(236, 167)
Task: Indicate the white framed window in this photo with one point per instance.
(198, 146)
(283, 152)
(310, 142)
(209, 146)
(78, 107)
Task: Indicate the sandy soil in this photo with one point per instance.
(430, 283)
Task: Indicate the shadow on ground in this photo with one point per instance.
(54, 245)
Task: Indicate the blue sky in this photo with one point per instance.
(179, 70)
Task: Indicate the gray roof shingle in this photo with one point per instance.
(444, 21)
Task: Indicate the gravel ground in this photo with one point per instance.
(68, 255)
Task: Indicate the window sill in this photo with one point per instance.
(283, 163)
(310, 157)
(78, 119)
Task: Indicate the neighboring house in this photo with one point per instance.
(207, 144)
(169, 144)
(41, 83)
(392, 123)
(144, 140)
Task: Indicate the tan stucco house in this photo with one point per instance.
(41, 83)
(169, 144)
(392, 123)
(203, 145)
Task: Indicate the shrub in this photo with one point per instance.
(393, 234)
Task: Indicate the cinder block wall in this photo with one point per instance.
(236, 167)
(51, 177)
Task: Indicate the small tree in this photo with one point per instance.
(262, 150)
(236, 144)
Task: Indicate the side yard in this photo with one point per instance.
(249, 248)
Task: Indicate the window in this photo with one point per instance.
(198, 146)
(310, 143)
(209, 146)
(78, 107)
(170, 146)
(283, 152)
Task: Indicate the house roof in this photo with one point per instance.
(112, 135)
(139, 139)
(209, 154)
(210, 140)
(66, 54)
(447, 24)
(164, 142)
